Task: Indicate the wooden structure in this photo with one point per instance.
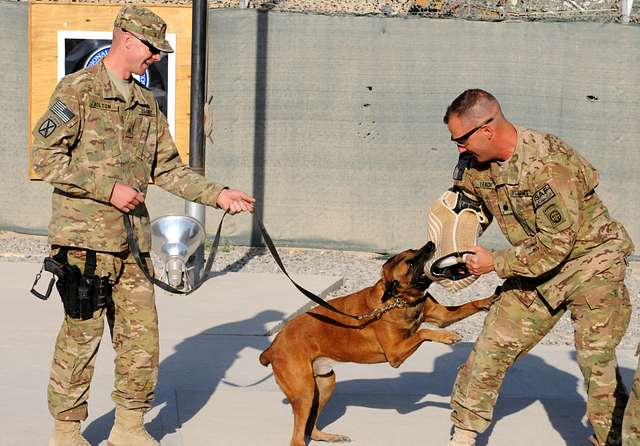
(47, 18)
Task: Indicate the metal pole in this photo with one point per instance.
(196, 126)
(625, 7)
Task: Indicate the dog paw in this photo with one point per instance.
(451, 337)
(331, 438)
(485, 304)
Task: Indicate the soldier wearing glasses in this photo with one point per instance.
(99, 144)
(566, 254)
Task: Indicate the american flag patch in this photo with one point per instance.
(62, 111)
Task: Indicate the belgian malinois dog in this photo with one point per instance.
(302, 353)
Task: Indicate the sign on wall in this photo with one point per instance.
(66, 37)
(82, 49)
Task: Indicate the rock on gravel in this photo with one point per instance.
(359, 270)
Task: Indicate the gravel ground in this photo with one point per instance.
(358, 269)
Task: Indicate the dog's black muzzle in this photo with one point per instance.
(420, 280)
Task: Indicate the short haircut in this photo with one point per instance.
(467, 100)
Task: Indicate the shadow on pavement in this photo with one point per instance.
(193, 366)
(199, 370)
(565, 407)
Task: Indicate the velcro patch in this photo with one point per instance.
(62, 111)
(146, 112)
(505, 208)
(542, 195)
(554, 215)
(483, 184)
(47, 127)
(520, 193)
(101, 105)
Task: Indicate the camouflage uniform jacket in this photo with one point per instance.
(544, 200)
(91, 138)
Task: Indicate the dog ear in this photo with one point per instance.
(390, 290)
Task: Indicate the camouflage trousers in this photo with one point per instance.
(512, 328)
(133, 326)
(631, 422)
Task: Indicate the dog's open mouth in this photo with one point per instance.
(421, 282)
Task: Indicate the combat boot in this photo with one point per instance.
(463, 437)
(67, 433)
(128, 429)
(593, 441)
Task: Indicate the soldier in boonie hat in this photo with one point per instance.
(145, 25)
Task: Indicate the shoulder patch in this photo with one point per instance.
(47, 127)
(554, 215)
(62, 111)
(542, 195)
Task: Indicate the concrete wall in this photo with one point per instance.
(335, 123)
(23, 205)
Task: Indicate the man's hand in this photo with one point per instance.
(235, 201)
(480, 262)
(125, 197)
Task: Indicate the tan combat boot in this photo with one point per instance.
(463, 437)
(67, 433)
(128, 430)
(593, 441)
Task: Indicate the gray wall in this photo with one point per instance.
(23, 205)
(335, 123)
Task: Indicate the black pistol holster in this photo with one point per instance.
(81, 293)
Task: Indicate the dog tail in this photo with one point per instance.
(265, 357)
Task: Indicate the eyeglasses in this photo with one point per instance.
(462, 140)
(153, 50)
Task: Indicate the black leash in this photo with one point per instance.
(307, 293)
(135, 251)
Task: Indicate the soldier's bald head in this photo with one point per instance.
(473, 105)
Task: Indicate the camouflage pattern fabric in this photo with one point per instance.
(90, 138)
(544, 200)
(511, 329)
(134, 328)
(145, 25)
(566, 254)
(631, 422)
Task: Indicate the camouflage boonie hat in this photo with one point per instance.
(145, 25)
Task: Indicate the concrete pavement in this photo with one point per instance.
(213, 391)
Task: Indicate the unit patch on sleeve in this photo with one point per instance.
(554, 215)
(542, 195)
(62, 111)
(47, 127)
